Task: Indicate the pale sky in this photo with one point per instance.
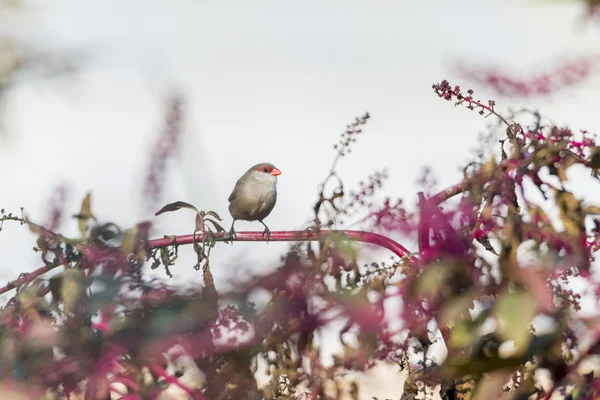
(269, 81)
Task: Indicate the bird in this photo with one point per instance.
(254, 196)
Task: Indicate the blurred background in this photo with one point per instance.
(87, 88)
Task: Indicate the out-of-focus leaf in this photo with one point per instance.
(456, 366)
(42, 245)
(564, 164)
(55, 284)
(134, 241)
(490, 386)
(33, 227)
(592, 210)
(456, 307)
(489, 168)
(72, 288)
(105, 231)
(176, 206)
(538, 214)
(31, 303)
(535, 282)
(594, 160)
(85, 214)
(28, 297)
(464, 388)
(16, 390)
(463, 335)
(510, 243)
(128, 244)
(485, 242)
(515, 312)
(571, 213)
(428, 284)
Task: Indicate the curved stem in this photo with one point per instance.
(291, 236)
(27, 277)
(278, 236)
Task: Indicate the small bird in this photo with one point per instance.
(254, 196)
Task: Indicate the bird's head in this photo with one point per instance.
(265, 172)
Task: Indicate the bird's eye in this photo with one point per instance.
(265, 169)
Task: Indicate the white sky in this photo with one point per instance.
(264, 81)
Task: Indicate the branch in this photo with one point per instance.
(290, 236)
(27, 277)
(278, 236)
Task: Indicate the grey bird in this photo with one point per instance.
(254, 196)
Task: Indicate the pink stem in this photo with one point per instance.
(279, 236)
(291, 236)
(28, 277)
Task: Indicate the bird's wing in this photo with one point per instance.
(236, 190)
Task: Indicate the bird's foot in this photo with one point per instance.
(232, 234)
(267, 232)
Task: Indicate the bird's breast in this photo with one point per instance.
(254, 202)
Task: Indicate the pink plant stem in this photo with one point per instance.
(28, 277)
(292, 236)
(279, 236)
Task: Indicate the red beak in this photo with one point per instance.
(276, 172)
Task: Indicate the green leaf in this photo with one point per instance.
(134, 240)
(85, 214)
(129, 240)
(176, 206)
(101, 298)
(28, 297)
(72, 289)
(515, 312)
(428, 284)
(55, 284)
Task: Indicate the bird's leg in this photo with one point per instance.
(267, 231)
(232, 231)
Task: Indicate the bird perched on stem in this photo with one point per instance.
(254, 196)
